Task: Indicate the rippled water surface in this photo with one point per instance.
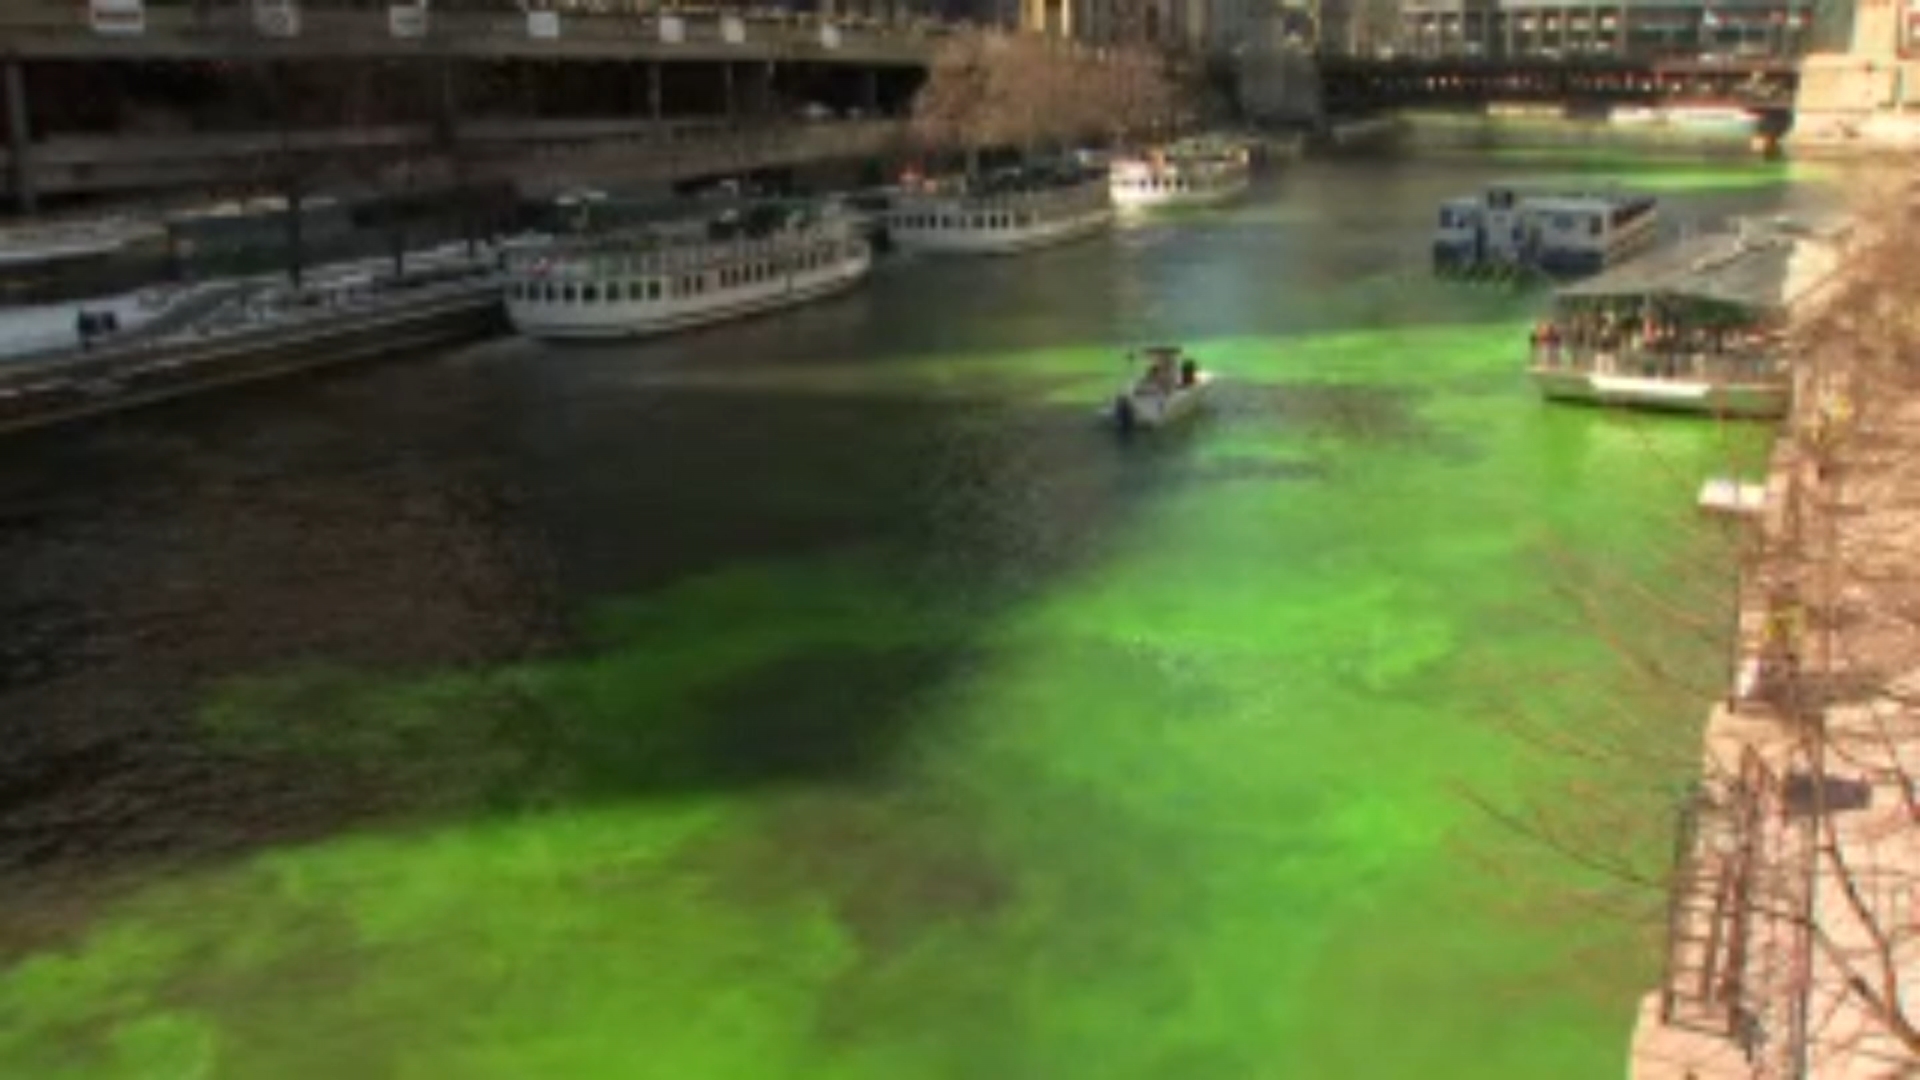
(830, 695)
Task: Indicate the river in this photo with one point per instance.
(830, 695)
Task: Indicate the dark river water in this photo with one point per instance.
(830, 695)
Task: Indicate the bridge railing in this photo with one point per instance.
(63, 28)
(522, 150)
(556, 168)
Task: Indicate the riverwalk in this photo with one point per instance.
(1797, 873)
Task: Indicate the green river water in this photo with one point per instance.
(905, 722)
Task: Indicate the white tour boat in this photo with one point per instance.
(995, 216)
(1182, 175)
(1171, 388)
(1698, 327)
(1507, 228)
(666, 278)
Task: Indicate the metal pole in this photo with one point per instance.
(19, 141)
(726, 85)
(653, 90)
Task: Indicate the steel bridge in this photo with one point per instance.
(1355, 86)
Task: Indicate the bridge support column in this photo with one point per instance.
(447, 106)
(653, 90)
(19, 141)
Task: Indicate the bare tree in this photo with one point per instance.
(987, 89)
(1787, 907)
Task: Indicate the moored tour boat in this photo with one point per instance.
(1000, 214)
(1185, 174)
(1698, 327)
(1508, 227)
(1171, 387)
(686, 274)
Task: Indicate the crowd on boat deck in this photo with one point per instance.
(1653, 344)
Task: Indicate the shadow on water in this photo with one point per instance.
(355, 571)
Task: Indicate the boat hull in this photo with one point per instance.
(1129, 197)
(1750, 400)
(1160, 410)
(1001, 241)
(612, 321)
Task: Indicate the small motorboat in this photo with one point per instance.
(1171, 387)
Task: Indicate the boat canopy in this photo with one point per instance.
(1758, 273)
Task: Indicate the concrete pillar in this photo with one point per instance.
(653, 90)
(447, 106)
(19, 140)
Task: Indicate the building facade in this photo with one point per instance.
(1176, 24)
(1629, 29)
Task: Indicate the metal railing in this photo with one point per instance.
(507, 148)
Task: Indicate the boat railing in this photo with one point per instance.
(1037, 198)
(1740, 365)
(610, 258)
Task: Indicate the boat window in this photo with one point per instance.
(591, 294)
(1593, 225)
(1446, 218)
(569, 293)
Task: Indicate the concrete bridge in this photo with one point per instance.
(208, 93)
